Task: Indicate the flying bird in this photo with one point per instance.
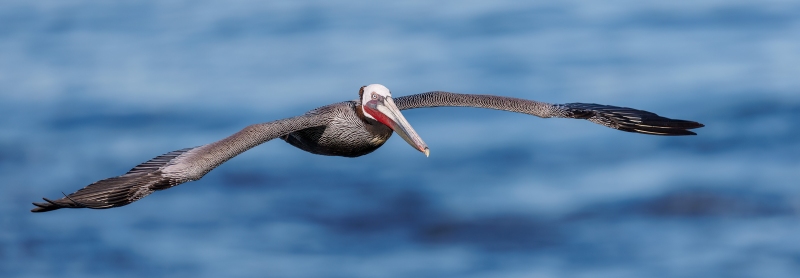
(350, 129)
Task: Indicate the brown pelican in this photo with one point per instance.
(351, 129)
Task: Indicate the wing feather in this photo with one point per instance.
(176, 167)
(621, 118)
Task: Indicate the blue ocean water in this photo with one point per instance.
(89, 89)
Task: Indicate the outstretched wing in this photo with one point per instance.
(177, 167)
(621, 118)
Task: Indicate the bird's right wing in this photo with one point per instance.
(621, 118)
(177, 167)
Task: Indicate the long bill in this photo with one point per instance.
(385, 111)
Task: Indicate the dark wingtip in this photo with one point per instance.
(112, 192)
(43, 207)
(631, 120)
(65, 202)
(699, 125)
(117, 191)
(683, 124)
(683, 127)
(693, 126)
(662, 127)
(657, 125)
(40, 209)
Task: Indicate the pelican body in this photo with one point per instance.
(350, 129)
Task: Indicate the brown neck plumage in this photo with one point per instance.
(359, 109)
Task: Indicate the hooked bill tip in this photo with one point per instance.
(427, 152)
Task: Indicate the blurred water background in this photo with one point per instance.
(88, 89)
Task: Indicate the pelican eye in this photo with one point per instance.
(374, 95)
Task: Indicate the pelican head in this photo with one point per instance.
(377, 104)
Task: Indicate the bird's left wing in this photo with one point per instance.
(620, 118)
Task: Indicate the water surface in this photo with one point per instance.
(88, 90)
